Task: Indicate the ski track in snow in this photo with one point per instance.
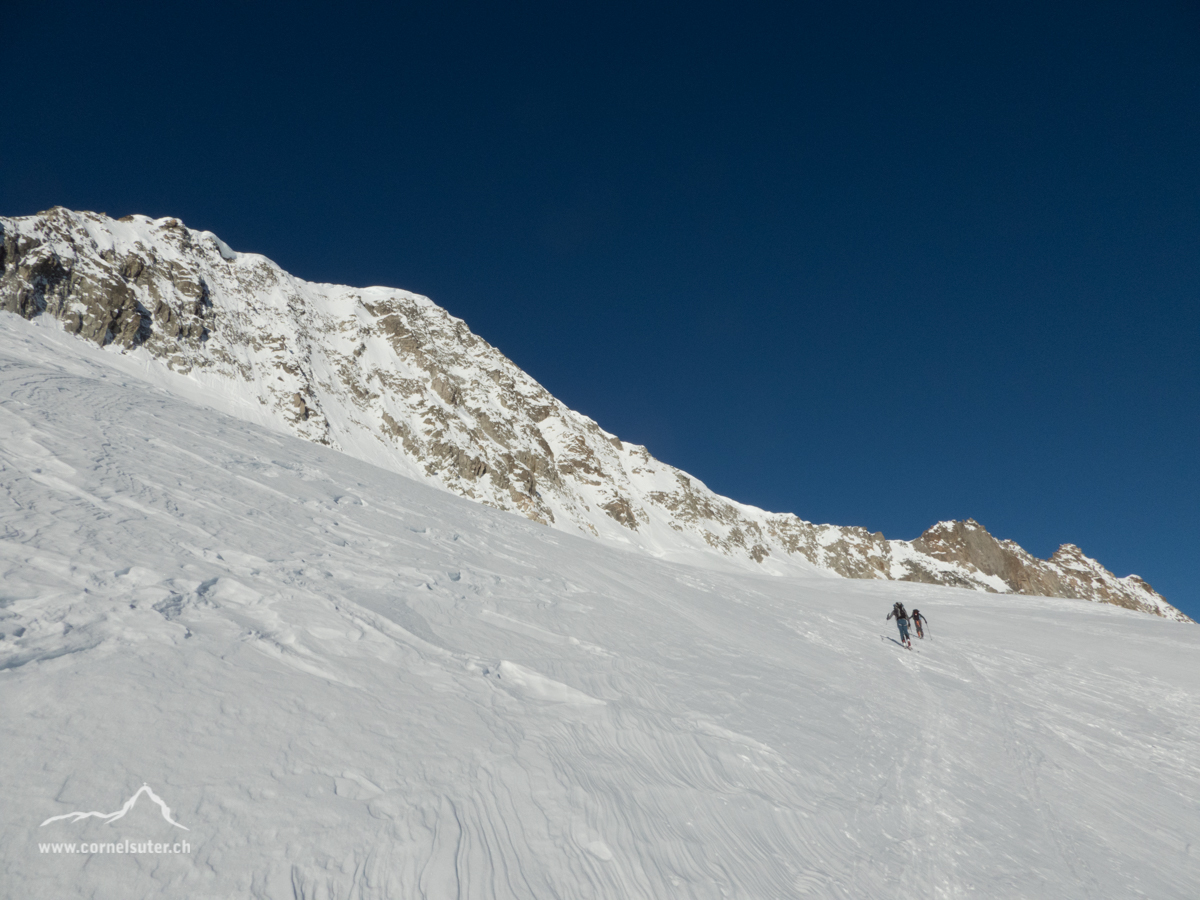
(350, 685)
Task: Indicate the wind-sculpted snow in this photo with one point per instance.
(393, 379)
(349, 684)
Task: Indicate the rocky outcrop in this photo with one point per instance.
(970, 549)
(393, 379)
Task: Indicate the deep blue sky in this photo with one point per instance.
(873, 264)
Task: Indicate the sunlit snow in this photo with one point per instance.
(348, 684)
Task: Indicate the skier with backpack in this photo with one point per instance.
(919, 621)
(901, 623)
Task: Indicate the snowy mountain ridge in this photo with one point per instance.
(391, 378)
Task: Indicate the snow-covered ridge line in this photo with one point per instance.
(389, 377)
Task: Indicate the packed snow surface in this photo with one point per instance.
(347, 684)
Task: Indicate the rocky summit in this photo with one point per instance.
(391, 378)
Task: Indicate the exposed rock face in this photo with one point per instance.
(391, 378)
(1068, 573)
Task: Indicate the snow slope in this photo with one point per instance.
(347, 684)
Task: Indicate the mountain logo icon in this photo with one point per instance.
(113, 816)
